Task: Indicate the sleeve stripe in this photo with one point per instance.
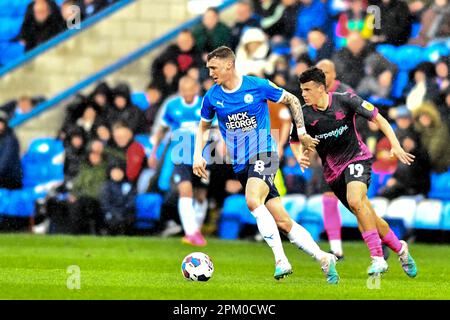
(375, 113)
(206, 120)
(282, 96)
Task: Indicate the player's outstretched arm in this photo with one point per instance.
(297, 114)
(199, 165)
(396, 149)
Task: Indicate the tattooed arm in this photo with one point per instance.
(297, 114)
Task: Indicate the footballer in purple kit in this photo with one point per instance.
(330, 117)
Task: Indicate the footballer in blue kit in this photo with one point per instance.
(240, 105)
(181, 115)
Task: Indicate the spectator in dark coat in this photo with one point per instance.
(42, 22)
(10, 167)
(350, 60)
(102, 96)
(244, 19)
(83, 204)
(183, 54)
(320, 45)
(117, 200)
(211, 33)
(155, 100)
(74, 153)
(124, 110)
(395, 22)
(411, 179)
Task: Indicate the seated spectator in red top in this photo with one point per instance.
(125, 148)
(42, 22)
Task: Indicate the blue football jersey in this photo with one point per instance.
(183, 120)
(243, 117)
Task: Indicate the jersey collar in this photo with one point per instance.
(194, 103)
(241, 79)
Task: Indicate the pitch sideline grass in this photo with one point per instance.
(36, 267)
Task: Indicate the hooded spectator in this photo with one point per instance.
(124, 110)
(42, 22)
(252, 53)
(102, 97)
(443, 74)
(74, 153)
(10, 167)
(434, 136)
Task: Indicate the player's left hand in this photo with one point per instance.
(304, 161)
(402, 155)
(308, 142)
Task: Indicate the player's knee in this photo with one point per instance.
(253, 202)
(355, 204)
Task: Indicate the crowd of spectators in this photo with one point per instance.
(275, 39)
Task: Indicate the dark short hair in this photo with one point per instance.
(213, 9)
(312, 74)
(221, 52)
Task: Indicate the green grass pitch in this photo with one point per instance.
(36, 267)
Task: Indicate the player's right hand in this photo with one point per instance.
(308, 142)
(199, 167)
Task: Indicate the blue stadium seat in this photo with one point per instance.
(440, 186)
(311, 218)
(378, 180)
(445, 221)
(4, 200)
(388, 51)
(408, 57)
(9, 28)
(43, 162)
(434, 52)
(400, 214)
(148, 210)
(295, 204)
(140, 100)
(415, 30)
(234, 207)
(400, 82)
(348, 219)
(428, 215)
(10, 51)
(21, 203)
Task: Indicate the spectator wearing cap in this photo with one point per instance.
(10, 168)
(211, 33)
(434, 135)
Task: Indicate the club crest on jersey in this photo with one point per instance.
(367, 105)
(248, 98)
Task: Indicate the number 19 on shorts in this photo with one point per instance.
(356, 170)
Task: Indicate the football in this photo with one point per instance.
(197, 266)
